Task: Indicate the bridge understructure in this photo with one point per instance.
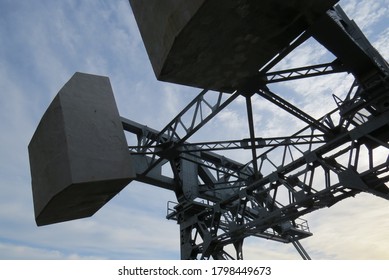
(220, 201)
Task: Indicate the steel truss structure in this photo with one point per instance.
(222, 202)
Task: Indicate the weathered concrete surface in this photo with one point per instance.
(78, 154)
(220, 44)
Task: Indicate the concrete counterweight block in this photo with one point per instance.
(220, 44)
(78, 154)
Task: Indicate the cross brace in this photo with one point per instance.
(305, 72)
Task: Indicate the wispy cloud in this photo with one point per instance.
(382, 43)
(366, 13)
(353, 229)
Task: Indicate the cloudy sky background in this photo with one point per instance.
(42, 44)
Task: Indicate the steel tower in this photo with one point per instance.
(221, 201)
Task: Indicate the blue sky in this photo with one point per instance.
(42, 43)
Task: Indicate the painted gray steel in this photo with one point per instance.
(78, 155)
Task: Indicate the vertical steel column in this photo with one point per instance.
(250, 118)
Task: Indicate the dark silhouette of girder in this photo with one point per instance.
(222, 201)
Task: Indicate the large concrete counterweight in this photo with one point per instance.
(220, 44)
(78, 154)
